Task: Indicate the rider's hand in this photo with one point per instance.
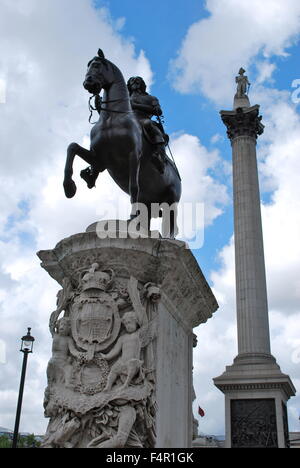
(157, 110)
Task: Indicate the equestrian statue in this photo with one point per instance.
(127, 142)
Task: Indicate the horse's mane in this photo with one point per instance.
(98, 59)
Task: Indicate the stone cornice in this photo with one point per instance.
(165, 262)
(233, 387)
(255, 377)
(243, 122)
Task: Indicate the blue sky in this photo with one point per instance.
(190, 51)
(158, 28)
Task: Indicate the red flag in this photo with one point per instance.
(201, 412)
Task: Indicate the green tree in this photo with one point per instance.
(5, 442)
(30, 441)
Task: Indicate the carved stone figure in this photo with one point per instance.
(129, 346)
(63, 430)
(118, 144)
(121, 433)
(152, 293)
(64, 296)
(101, 377)
(60, 366)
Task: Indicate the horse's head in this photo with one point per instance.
(97, 76)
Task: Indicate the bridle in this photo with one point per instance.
(98, 107)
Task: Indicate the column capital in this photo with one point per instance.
(243, 122)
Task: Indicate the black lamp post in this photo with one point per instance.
(26, 348)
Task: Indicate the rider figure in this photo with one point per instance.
(145, 107)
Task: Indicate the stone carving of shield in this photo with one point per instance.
(95, 322)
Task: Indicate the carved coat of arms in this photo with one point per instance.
(101, 377)
(95, 316)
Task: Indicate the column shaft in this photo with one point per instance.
(251, 292)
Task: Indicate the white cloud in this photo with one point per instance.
(46, 109)
(217, 345)
(233, 35)
(216, 138)
(280, 166)
(44, 48)
(278, 153)
(2, 91)
(44, 61)
(245, 34)
(196, 165)
(265, 69)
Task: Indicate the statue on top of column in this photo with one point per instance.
(241, 96)
(243, 84)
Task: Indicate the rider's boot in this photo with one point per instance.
(159, 157)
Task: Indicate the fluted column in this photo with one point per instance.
(244, 125)
(256, 391)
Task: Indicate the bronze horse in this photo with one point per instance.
(118, 144)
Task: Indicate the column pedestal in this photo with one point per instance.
(121, 368)
(256, 395)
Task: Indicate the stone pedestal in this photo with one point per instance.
(256, 390)
(241, 102)
(121, 368)
(256, 395)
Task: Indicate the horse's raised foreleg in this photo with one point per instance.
(75, 150)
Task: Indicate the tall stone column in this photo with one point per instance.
(251, 292)
(120, 375)
(256, 391)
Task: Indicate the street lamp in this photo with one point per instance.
(27, 343)
(26, 348)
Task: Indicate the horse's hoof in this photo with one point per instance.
(70, 188)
